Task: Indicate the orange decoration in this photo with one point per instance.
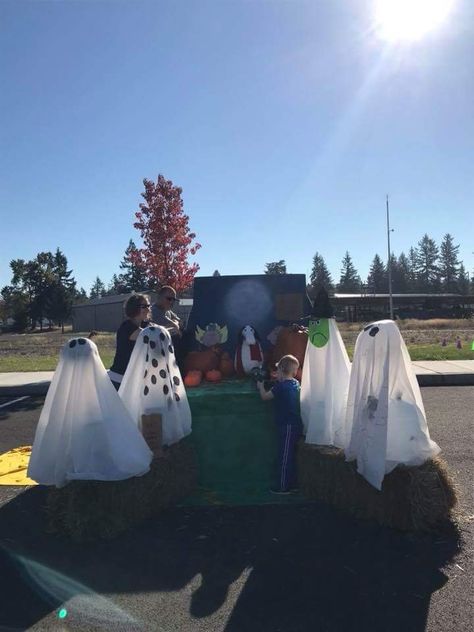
(226, 366)
(193, 378)
(201, 361)
(290, 341)
(213, 376)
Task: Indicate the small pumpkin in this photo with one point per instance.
(193, 378)
(213, 376)
(226, 366)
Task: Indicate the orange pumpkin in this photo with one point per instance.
(193, 378)
(226, 366)
(213, 376)
(201, 361)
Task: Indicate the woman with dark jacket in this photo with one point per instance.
(137, 310)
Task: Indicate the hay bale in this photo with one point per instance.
(412, 498)
(86, 510)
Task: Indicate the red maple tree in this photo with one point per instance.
(168, 242)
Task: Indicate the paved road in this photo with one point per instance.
(294, 569)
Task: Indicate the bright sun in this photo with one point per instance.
(409, 19)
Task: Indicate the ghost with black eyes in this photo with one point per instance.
(385, 409)
(84, 431)
(325, 378)
(152, 384)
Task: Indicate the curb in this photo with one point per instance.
(38, 389)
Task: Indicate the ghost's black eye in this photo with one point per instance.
(72, 344)
(367, 327)
(82, 341)
(374, 331)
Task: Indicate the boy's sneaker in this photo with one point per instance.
(280, 492)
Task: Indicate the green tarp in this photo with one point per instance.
(235, 439)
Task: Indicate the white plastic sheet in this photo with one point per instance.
(385, 408)
(324, 386)
(152, 384)
(84, 431)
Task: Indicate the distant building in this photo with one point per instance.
(106, 313)
(363, 307)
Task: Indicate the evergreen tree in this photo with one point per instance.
(412, 277)
(81, 296)
(427, 265)
(117, 286)
(400, 274)
(462, 280)
(133, 278)
(320, 275)
(97, 289)
(350, 280)
(275, 267)
(449, 264)
(377, 281)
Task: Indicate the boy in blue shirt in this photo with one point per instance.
(286, 393)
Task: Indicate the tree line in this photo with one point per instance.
(427, 268)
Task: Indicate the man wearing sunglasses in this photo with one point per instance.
(163, 315)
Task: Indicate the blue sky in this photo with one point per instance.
(284, 122)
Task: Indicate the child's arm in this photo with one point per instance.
(265, 395)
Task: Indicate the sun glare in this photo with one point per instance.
(409, 19)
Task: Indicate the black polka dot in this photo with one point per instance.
(177, 397)
(374, 331)
(145, 374)
(146, 339)
(154, 362)
(82, 341)
(146, 390)
(163, 352)
(165, 389)
(72, 344)
(153, 379)
(170, 349)
(163, 373)
(176, 380)
(167, 368)
(147, 358)
(152, 344)
(152, 329)
(162, 336)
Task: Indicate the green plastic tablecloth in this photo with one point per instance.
(235, 439)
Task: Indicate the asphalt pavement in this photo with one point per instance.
(267, 568)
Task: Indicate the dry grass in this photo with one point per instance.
(87, 510)
(412, 498)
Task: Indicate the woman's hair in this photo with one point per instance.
(288, 363)
(132, 305)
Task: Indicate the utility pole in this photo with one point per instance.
(389, 262)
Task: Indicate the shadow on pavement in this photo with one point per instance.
(309, 568)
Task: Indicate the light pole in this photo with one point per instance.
(389, 262)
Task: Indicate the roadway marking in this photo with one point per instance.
(14, 401)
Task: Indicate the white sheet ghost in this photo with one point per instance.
(84, 431)
(152, 384)
(385, 408)
(325, 379)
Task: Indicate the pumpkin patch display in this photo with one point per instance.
(193, 378)
(213, 376)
